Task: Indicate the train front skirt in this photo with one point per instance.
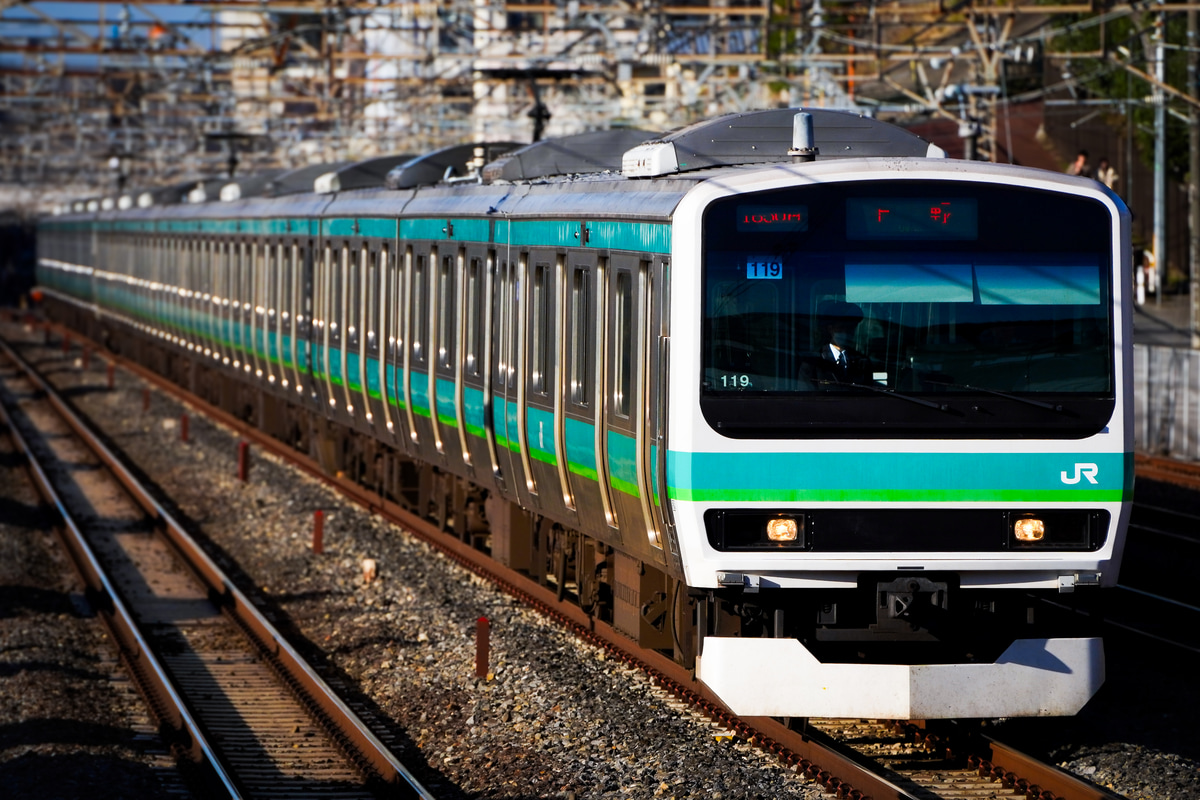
(781, 678)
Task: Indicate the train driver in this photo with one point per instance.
(838, 361)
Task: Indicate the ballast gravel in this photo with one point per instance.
(555, 717)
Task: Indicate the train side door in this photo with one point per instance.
(324, 302)
(305, 253)
(364, 358)
(545, 457)
(508, 316)
(628, 399)
(445, 387)
(420, 374)
(474, 401)
(381, 340)
(585, 423)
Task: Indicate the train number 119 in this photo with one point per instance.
(764, 269)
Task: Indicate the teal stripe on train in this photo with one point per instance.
(636, 236)
(630, 236)
(900, 477)
(372, 228)
(537, 233)
(462, 230)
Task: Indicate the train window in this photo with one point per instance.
(904, 307)
(284, 293)
(512, 319)
(445, 301)
(249, 267)
(474, 316)
(623, 336)
(419, 307)
(580, 333)
(540, 327)
(347, 287)
(371, 280)
(323, 289)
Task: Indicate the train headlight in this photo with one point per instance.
(782, 529)
(1029, 529)
(1058, 529)
(752, 530)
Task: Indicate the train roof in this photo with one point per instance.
(456, 163)
(300, 180)
(582, 153)
(248, 186)
(359, 175)
(763, 137)
(591, 167)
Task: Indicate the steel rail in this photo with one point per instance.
(1037, 777)
(135, 652)
(370, 752)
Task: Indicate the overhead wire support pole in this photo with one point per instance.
(1160, 154)
(1193, 87)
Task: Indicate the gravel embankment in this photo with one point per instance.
(556, 718)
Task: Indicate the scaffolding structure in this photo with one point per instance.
(152, 93)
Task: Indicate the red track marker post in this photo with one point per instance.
(318, 531)
(243, 460)
(483, 635)
(183, 427)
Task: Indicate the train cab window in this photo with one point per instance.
(623, 336)
(580, 329)
(908, 309)
(539, 327)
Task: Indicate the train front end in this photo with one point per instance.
(901, 436)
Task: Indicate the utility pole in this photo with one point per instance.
(1193, 59)
(1160, 156)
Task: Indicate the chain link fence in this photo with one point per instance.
(1166, 401)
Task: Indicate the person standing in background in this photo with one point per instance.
(1106, 174)
(1080, 165)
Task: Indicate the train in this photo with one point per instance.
(789, 396)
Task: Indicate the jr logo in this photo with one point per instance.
(1088, 471)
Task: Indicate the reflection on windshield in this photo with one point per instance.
(791, 337)
(1021, 308)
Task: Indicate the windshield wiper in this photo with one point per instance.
(890, 392)
(1027, 400)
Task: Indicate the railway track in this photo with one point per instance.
(847, 759)
(240, 708)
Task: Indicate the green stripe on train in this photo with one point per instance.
(901, 477)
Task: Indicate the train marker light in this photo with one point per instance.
(1029, 530)
(783, 529)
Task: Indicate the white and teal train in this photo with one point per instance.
(613, 360)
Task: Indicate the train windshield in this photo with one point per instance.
(908, 309)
